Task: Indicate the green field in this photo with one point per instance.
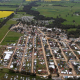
(72, 29)
(64, 11)
(8, 8)
(5, 28)
(11, 2)
(12, 37)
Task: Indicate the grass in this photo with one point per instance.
(11, 8)
(11, 75)
(12, 5)
(5, 28)
(72, 29)
(11, 37)
(11, 2)
(50, 10)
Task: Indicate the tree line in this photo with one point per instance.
(5, 20)
(28, 10)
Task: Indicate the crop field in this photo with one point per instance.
(65, 10)
(5, 28)
(5, 13)
(11, 37)
(10, 8)
(11, 2)
(46, 0)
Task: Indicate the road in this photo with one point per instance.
(32, 57)
(23, 55)
(13, 54)
(45, 57)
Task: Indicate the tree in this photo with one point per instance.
(11, 70)
(73, 20)
(49, 76)
(15, 64)
(1, 56)
(23, 72)
(57, 74)
(51, 70)
(1, 69)
(70, 69)
(70, 79)
(59, 51)
(15, 56)
(55, 55)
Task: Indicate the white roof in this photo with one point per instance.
(52, 66)
(9, 47)
(35, 54)
(76, 48)
(11, 66)
(75, 63)
(7, 56)
(70, 72)
(51, 62)
(39, 70)
(49, 29)
(55, 51)
(78, 52)
(8, 52)
(70, 76)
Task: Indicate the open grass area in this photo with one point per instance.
(65, 10)
(72, 29)
(12, 75)
(5, 28)
(1, 19)
(5, 13)
(12, 37)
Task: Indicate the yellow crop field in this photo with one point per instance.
(5, 13)
(46, 0)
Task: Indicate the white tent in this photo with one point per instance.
(8, 54)
(11, 66)
(78, 52)
(39, 70)
(52, 66)
(51, 62)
